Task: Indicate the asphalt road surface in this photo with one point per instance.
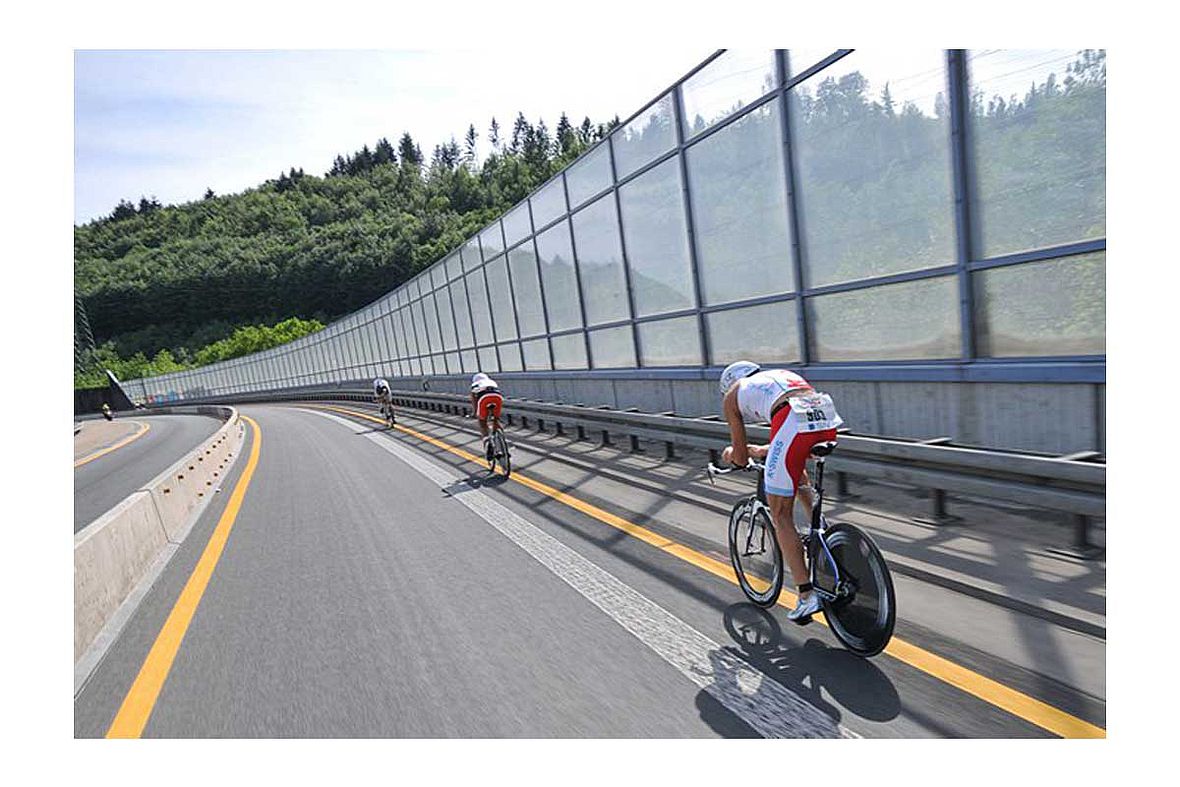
(104, 481)
(376, 584)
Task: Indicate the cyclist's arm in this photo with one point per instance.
(474, 404)
(739, 452)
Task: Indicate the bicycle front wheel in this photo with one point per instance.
(863, 619)
(754, 553)
(501, 451)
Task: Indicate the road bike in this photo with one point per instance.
(499, 454)
(845, 568)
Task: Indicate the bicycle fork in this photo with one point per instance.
(752, 511)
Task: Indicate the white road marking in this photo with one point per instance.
(767, 706)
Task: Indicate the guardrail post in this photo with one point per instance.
(633, 441)
(581, 430)
(557, 427)
(938, 512)
(606, 442)
(1082, 548)
(669, 446)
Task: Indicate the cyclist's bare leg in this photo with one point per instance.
(806, 494)
(782, 510)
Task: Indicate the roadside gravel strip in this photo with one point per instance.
(763, 703)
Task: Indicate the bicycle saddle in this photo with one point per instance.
(823, 449)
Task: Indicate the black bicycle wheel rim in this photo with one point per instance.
(765, 567)
(863, 623)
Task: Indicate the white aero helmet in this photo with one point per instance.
(736, 371)
(478, 379)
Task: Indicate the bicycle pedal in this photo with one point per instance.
(801, 621)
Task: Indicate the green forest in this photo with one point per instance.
(175, 284)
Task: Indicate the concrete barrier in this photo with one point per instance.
(113, 554)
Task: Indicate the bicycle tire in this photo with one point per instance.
(742, 511)
(491, 459)
(502, 449)
(864, 622)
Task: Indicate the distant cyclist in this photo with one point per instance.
(799, 418)
(383, 396)
(486, 400)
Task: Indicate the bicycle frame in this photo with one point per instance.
(816, 540)
(816, 536)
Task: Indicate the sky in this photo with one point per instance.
(173, 123)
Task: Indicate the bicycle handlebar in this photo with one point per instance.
(714, 470)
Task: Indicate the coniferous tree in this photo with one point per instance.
(494, 136)
(566, 139)
(469, 146)
(409, 153)
(586, 132)
(124, 210)
(384, 153)
(521, 131)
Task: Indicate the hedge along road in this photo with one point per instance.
(369, 590)
(106, 475)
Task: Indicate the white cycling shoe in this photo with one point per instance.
(806, 607)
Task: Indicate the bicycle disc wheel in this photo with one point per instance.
(503, 457)
(754, 553)
(863, 621)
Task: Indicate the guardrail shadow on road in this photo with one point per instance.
(993, 544)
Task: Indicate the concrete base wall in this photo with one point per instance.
(112, 554)
(1055, 418)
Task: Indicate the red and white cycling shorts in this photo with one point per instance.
(789, 448)
(489, 402)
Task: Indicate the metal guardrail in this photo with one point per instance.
(1073, 484)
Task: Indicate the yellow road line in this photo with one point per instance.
(993, 692)
(143, 427)
(141, 698)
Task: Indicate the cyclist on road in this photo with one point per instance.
(486, 400)
(799, 418)
(383, 395)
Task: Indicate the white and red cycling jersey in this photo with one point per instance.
(797, 422)
(487, 398)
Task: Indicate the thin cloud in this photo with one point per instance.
(175, 123)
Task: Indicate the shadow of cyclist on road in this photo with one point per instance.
(830, 679)
(855, 684)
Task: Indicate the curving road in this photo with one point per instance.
(376, 583)
(101, 483)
